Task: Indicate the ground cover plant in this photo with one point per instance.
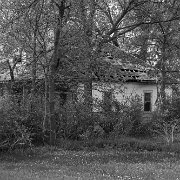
(111, 164)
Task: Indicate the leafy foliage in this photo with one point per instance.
(78, 123)
(167, 123)
(129, 116)
(19, 127)
(64, 40)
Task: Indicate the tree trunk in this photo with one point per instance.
(34, 69)
(52, 98)
(52, 76)
(54, 66)
(46, 107)
(11, 71)
(88, 94)
(163, 87)
(33, 89)
(163, 73)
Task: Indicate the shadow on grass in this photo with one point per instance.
(64, 157)
(121, 151)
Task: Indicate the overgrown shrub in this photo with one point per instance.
(76, 121)
(128, 117)
(166, 122)
(19, 127)
(79, 122)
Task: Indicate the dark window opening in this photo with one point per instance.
(107, 101)
(147, 101)
(63, 96)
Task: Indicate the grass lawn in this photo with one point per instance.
(82, 165)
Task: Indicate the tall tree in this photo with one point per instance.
(157, 44)
(67, 37)
(113, 21)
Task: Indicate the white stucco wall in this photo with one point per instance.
(121, 91)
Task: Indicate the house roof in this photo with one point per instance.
(120, 65)
(113, 69)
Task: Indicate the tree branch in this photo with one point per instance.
(134, 26)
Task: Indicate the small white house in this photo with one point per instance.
(123, 82)
(124, 90)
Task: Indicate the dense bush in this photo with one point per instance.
(19, 126)
(125, 119)
(128, 117)
(77, 122)
(166, 122)
(74, 122)
(79, 129)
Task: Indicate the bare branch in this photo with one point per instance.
(134, 26)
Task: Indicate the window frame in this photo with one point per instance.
(150, 101)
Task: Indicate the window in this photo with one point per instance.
(107, 101)
(147, 101)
